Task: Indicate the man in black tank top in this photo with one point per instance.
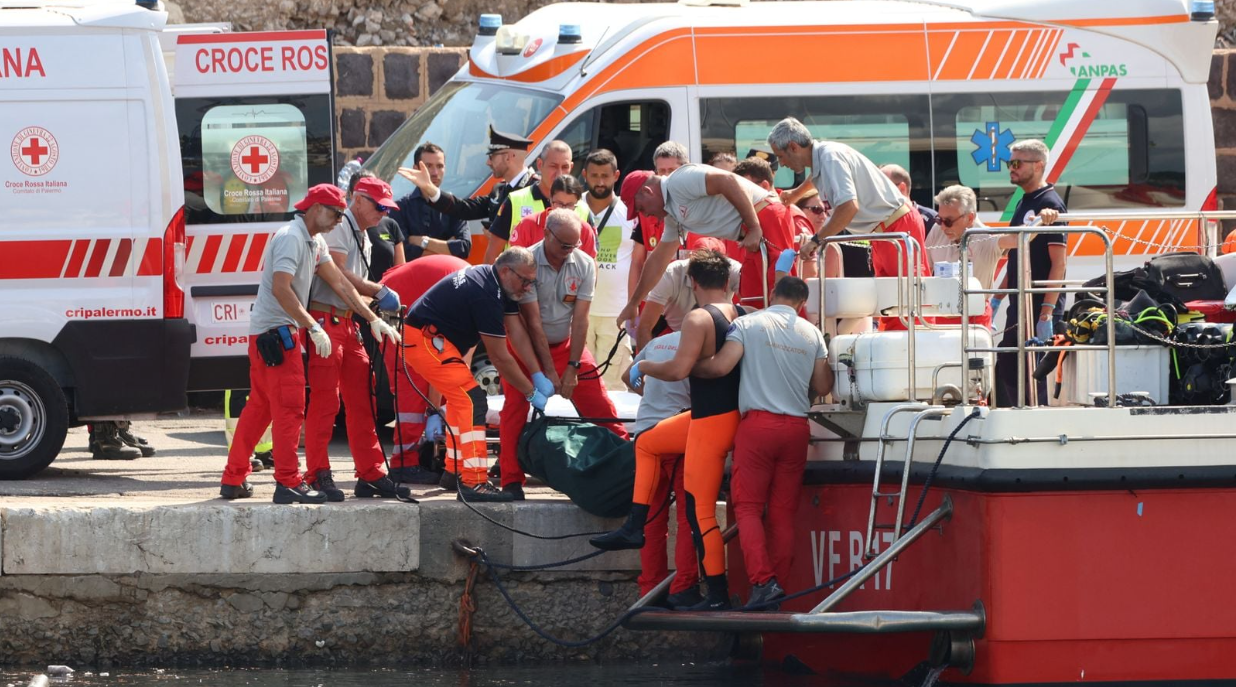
(704, 433)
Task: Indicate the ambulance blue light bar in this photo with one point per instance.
(569, 33)
(489, 24)
(1203, 10)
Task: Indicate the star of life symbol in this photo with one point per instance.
(573, 285)
(255, 159)
(992, 146)
(35, 151)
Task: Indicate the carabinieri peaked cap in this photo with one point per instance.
(499, 141)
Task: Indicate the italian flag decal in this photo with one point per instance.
(1067, 131)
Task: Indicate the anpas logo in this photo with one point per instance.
(1071, 58)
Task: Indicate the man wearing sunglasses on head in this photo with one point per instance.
(345, 372)
(555, 318)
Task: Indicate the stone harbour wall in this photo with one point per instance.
(140, 584)
(318, 619)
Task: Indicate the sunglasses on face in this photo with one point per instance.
(950, 221)
(1016, 164)
(563, 244)
(555, 205)
(817, 209)
(336, 213)
(381, 208)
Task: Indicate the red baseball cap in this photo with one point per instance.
(377, 190)
(697, 242)
(632, 183)
(329, 195)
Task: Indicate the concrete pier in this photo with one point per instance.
(138, 563)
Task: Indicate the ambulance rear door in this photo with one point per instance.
(256, 118)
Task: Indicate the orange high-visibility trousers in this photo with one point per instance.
(705, 442)
(441, 364)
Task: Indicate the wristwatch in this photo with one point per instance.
(574, 363)
(815, 238)
(424, 242)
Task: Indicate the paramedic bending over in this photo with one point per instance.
(856, 193)
(701, 200)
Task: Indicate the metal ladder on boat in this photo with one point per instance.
(921, 412)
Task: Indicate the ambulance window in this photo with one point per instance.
(578, 135)
(887, 129)
(251, 159)
(1127, 152)
(631, 131)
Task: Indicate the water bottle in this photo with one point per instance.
(345, 174)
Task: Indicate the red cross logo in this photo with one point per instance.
(255, 159)
(34, 151)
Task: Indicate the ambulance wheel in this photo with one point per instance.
(34, 418)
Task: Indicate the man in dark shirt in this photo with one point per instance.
(1048, 252)
(507, 155)
(426, 230)
(465, 308)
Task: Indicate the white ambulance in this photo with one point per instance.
(101, 283)
(1118, 90)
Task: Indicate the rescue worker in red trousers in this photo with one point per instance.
(412, 280)
(784, 364)
(276, 369)
(658, 401)
(704, 433)
(555, 319)
(346, 370)
(473, 305)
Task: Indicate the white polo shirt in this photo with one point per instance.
(779, 354)
(674, 291)
(689, 208)
(841, 174)
(557, 290)
(351, 238)
(291, 251)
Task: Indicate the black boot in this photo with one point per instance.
(629, 536)
(105, 443)
(124, 430)
(718, 598)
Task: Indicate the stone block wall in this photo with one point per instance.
(1223, 111)
(376, 89)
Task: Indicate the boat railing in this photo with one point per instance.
(1210, 236)
(1025, 294)
(909, 295)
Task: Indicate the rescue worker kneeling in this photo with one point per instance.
(784, 364)
(276, 369)
(467, 307)
(704, 433)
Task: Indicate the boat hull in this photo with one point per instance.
(1092, 585)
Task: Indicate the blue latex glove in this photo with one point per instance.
(538, 400)
(637, 379)
(995, 306)
(433, 427)
(1043, 331)
(542, 384)
(388, 300)
(786, 261)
